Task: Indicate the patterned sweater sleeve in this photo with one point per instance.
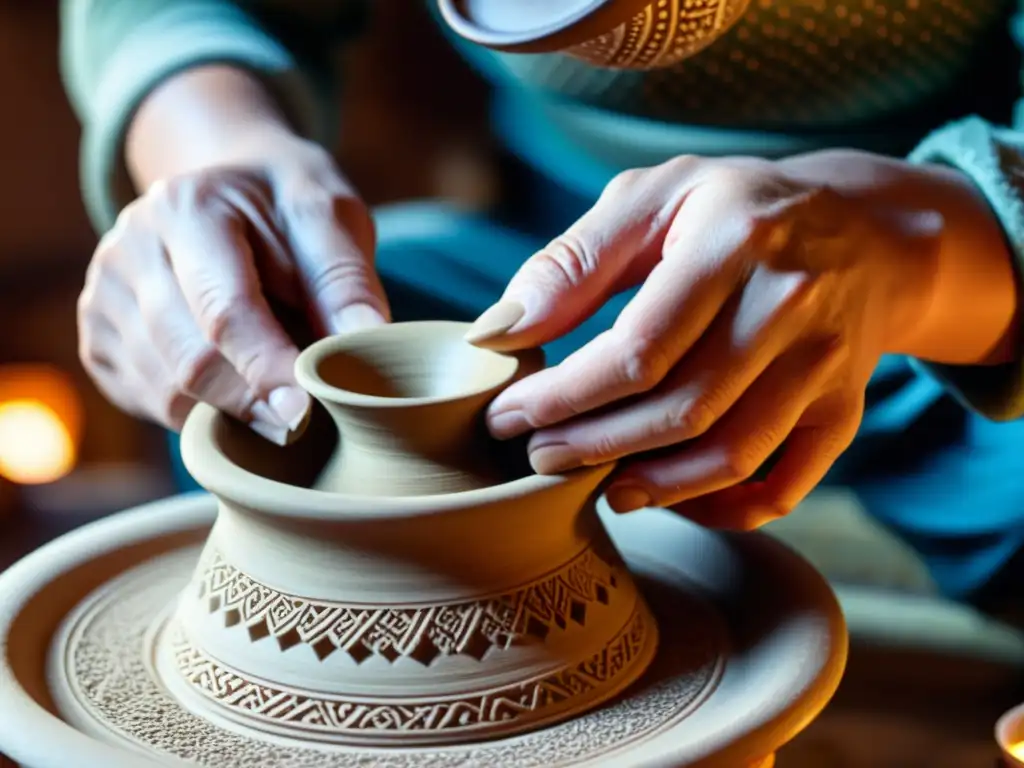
(114, 52)
(993, 157)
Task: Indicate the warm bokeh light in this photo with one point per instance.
(1017, 750)
(40, 423)
(35, 444)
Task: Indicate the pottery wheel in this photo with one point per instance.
(753, 645)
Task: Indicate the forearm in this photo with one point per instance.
(207, 116)
(117, 55)
(959, 306)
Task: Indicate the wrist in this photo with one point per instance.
(964, 290)
(204, 117)
(952, 298)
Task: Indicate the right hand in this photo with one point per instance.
(175, 306)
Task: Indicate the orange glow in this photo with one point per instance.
(35, 444)
(1017, 750)
(40, 422)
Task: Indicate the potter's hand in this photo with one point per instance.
(769, 292)
(175, 306)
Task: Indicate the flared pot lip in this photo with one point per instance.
(465, 27)
(230, 482)
(310, 359)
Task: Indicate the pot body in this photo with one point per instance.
(501, 611)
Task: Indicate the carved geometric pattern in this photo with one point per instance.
(105, 661)
(664, 32)
(339, 716)
(470, 628)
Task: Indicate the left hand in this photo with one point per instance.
(769, 292)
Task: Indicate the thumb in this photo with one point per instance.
(609, 249)
(333, 241)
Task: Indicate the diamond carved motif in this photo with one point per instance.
(423, 634)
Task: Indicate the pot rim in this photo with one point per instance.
(466, 28)
(309, 360)
(229, 481)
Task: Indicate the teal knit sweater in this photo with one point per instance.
(935, 79)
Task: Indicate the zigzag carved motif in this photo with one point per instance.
(311, 712)
(422, 633)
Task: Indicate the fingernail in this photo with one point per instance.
(356, 317)
(505, 426)
(554, 459)
(496, 321)
(291, 405)
(627, 498)
(271, 430)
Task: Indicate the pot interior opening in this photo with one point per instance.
(439, 366)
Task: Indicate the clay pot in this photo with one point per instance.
(426, 621)
(406, 400)
(409, 591)
(618, 34)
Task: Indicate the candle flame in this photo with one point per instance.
(36, 446)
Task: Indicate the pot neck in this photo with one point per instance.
(409, 450)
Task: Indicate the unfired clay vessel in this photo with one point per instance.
(397, 589)
(415, 591)
(619, 34)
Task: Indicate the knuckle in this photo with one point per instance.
(189, 192)
(255, 368)
(623, 182)
(108, 250)
(85, 304)
(335, 275)
(643, 365)
(805, 297)
(220, 314)
(604, 447)
(559, 408)
(194, 370)
(313, 202)
(567, 260)
(682, 164)
(689, 419)
(127, 219)
(87, 353)
(740, 463)
(172, 408)
(725, 177)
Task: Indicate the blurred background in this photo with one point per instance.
(925, 681)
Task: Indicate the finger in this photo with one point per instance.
(333, 240)
(739, 444)
(705, 260)
(611, 247)
(166, 345)
(214, 267)
(741, 344)
(127, 340)
(127, 371)
(749, 332)
(195, 365)
(808, 455)
(98, 337)
(271, 251)
(120, 378)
